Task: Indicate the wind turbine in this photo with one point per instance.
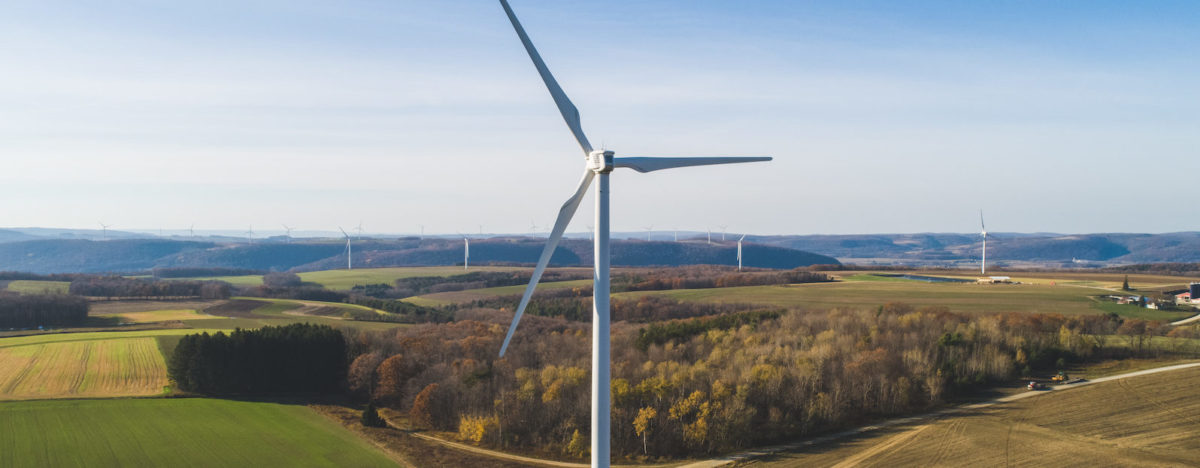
(533, 228)
(192, 231)
(983, 233)
(289, 233)
(598, 164)
(422, 231)
(466, 251)
(649, 231)
(590, 231)
(349, 251)
(723, 226)
(250, 235)
(709, 236)
(740, 252)
(104, 230)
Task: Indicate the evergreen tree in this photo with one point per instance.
(371, 418)
(1125, 287)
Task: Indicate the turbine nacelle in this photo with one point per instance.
(601, 161)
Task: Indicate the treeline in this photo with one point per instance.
(297, 358)
(408, 287)
(576, 305)
(709, 386)
(20, 275)
(29, 311)
(1171, 269)
(706, 277)
(410, 312)
(117, 287)
(202, 272)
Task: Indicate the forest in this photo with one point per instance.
(722, 382)
(297, 358)
(38, 310)
(113, 287)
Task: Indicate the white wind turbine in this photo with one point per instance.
(192, 231)
(983, 233)
(466, 252)
(289, 232)
(740, 252)
(709, 236)
(598, 164)
(723, 226)
(649, 231)
(104, 230)
(349, 250)
(250, 235)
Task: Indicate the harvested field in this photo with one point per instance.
(1151, 420)
(122, 307)
(71, 369)
(160, 316)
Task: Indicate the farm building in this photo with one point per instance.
(994, 280)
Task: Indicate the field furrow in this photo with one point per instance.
(102, 368)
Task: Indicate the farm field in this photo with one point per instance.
(153, 316)
(254, 312)
(91, 368)
(1062, 278)
(458, 297)
(39, 287)
(176, 432)
(1026, 298)
(1150, 420)
(346, 279)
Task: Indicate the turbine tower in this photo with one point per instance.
(723, 226)
(649, 231)
(289, 233)
(466, 252)
(983, 233)
(598, 164)
(192, 231)
(349, 251)
(740, 252)
(250, 235)
(104, 231)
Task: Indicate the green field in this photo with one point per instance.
(972, 298)
(279, 312)
(107, 335)
(346, 279)
(39, 287)
(74, 369)
(175, 432)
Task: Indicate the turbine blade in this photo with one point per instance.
(981, 226)
(564, 218)
(642, 164)
(565, 107)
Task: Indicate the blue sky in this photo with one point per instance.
(882, 116)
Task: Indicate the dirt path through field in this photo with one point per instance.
(909, 431)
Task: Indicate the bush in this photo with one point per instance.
(371, 418)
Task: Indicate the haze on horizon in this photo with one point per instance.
(1067, 117)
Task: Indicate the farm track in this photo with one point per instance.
(1020, 436)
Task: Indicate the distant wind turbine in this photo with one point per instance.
(723, 226)
(983, 233)
(422, 231)
(740, 252)
(649, 231)
(598, 164)
(250, 235)
(466, 252)
(289, 233)
(192, 231)
(349, 251)
(709, 236)
(104, 231)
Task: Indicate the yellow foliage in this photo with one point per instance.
(578, 446)
(477, 428)
(641, 424)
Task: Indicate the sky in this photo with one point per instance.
(882, 117)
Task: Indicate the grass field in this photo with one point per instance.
(178, 432)
(279, 312)
(106, 335)
(69, 369)
(1028, 298)
(39, 287)
(1151, 420)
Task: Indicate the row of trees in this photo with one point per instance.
(118, 287)
(36, 310)
(719, 384)
(297, 358)
(704, 277)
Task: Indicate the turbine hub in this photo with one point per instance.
(600, 162)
